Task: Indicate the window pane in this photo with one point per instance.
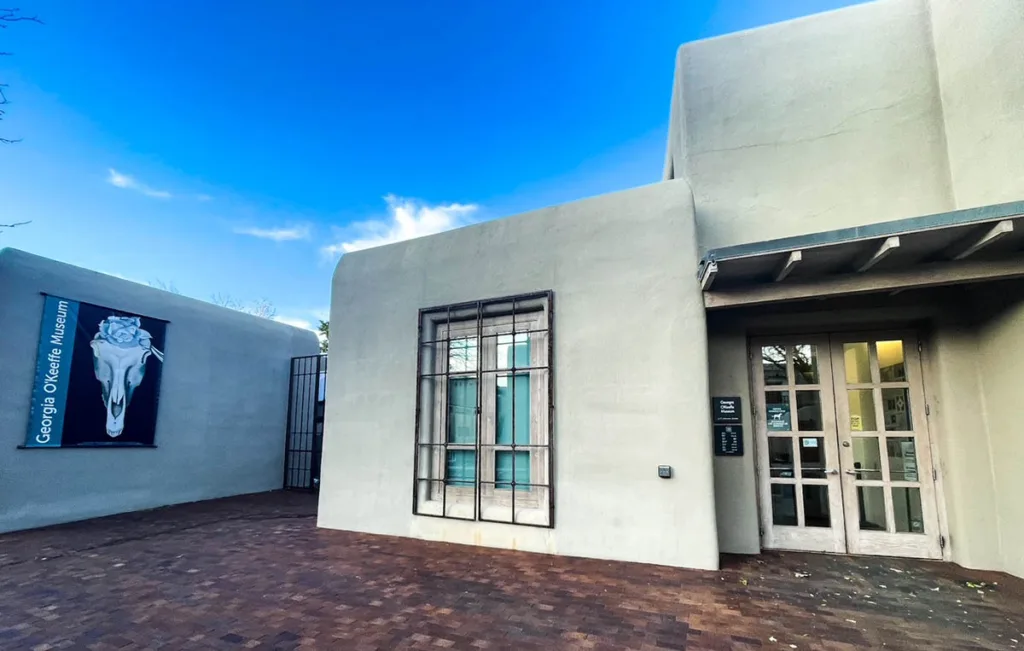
(872, 507)
(461, 468)
(857, 360)
(462, 410)
(906, 510)
(812, 457)
(514, 354)
(505, 402)
(462, 355)
(896, 407)
(784, 504)
(805, 364)
(862, 410)
(902, 458)
(503, 460)
(773, 360)
(816, 512)
(891, 365)
(776, 406)
(780, 456)
(808, 411)
(866, 459)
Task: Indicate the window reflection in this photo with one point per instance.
(773, 362)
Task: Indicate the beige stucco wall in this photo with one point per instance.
(735, 481)
(979, 50)
(876, 112)
(1001, 371)
(829, 121)
(630, 376)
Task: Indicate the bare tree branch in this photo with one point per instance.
(14, 16)
(9, 16)
(261, 307)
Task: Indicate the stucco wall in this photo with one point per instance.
(222, 410)
(828, 121)
(880, 111)
(1001, 369)
(735, 482)
(630, 364)
(979, 49)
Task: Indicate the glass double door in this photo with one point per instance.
(843, 455)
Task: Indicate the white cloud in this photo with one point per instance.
(407, 219)
(298, 323)
(119, 180)
(283, 234)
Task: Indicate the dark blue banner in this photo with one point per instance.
(97, 377)
(53, 370)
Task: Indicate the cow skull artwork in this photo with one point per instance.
(120, 350)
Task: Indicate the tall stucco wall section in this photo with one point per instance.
(222, 411)
(630, 364)
(979, 52)
(735, 481)
(1001, 362)
(961, 436)
(824, 122)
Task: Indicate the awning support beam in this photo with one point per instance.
(926, 275)
(973, 245)
(787, 267)
(708, 274)
(887, 246)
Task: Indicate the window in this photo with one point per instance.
(484, 420)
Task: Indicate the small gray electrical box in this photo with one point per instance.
(665, 472)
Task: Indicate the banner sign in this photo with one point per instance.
(97, 377)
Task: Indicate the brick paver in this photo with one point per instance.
(255, 573)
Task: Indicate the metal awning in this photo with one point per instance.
(976, 244)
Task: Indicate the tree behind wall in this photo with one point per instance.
(325, 334)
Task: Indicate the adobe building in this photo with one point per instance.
(808, 336)
(117, 397)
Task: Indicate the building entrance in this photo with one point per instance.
(843, 451)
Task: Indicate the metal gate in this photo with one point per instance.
(305, 435)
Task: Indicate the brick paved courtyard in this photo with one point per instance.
(255, 573)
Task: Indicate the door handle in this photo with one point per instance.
(831, 471)
(851, 472)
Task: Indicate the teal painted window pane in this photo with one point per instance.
(514, 352)
(503, 469)
(461, 468)
(505, 406)
(462, 410)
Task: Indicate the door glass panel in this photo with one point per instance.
(906, 510)
(896, 407)
(776, 405)
(866, 459)
(812, 457)
(805, 364)
(780, 456)
(816, 512)
(902, 458)
(857, 361)
(808, 411)
(862, 410)
(891, 364)
(784, 504)
(872, 507)
(773, 361)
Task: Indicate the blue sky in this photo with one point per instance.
(238, 148)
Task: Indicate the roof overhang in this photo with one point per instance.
(963, 246)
